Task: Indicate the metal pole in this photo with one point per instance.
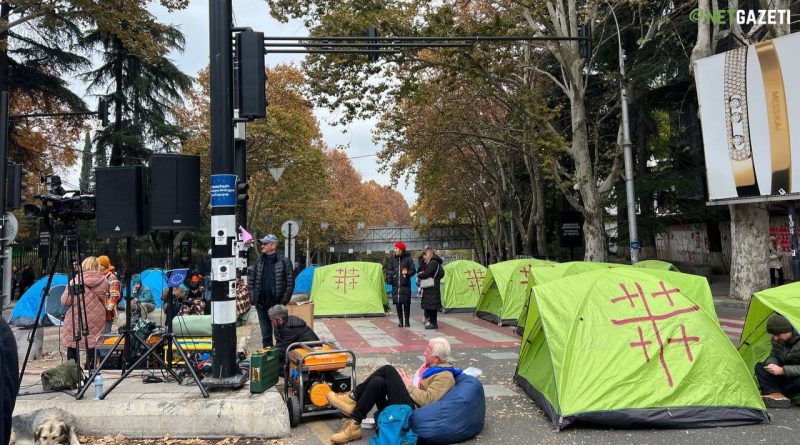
(795, 242)
(3, 164)
(628, 153)
(225, 370)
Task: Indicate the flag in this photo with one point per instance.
(246, 236)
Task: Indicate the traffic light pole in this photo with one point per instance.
(3, 168)
(225, 371)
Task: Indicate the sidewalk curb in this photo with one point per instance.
(730, 303)
(237, 413)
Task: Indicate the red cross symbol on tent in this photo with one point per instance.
(346, 277)
(525, 271)
(651, 319)
(475, 278)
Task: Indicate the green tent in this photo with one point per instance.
(656, 264)
(503, 292)
(461, 285)
(624, 348)
(545, 273)
(756, 342)
(350, 289)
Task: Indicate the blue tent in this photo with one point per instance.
(24, 312)
(302, 284)
(156, 280)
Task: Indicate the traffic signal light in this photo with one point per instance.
(241, 192)
(585, 44)
(102, 112)
(372, 32)
(15, 184)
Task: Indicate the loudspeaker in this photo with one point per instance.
(252, 79)
(121, 201)
(174, 192)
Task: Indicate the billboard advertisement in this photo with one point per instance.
(750, 115)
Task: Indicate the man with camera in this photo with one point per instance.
(271, 282)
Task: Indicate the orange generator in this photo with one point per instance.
(313, 369)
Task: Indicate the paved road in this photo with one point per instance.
(512, 417)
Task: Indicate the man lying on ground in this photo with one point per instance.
(779, 375)
(388, 386)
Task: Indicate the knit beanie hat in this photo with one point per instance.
(400, 245)
(778, 324)
(105, 262)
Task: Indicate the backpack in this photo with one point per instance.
(394, 427)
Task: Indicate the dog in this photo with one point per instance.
(49, 426)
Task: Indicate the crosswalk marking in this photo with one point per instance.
(484, 333)
(373, 335)
(419, 329)
(322, 331)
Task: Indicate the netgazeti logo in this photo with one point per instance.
(742, 17)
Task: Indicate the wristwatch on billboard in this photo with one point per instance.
(777, 117)
(737, 123)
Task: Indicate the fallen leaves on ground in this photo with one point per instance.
(168, 440)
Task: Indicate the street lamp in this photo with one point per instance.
(627, 151)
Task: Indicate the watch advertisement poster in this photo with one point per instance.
(750, 115)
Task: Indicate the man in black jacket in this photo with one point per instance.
(271, 282)
(779, 375)
(288, 329)
(398, 274)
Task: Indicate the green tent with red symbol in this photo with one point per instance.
(349, 289)
(461, 285)
(625, 348)
(503, 293)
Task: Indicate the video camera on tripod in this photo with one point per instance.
(63, 205)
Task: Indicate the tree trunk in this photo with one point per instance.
(594, 233)
(749, 250)
(116, 148)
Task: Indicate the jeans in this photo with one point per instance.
(769, 383)
(266, 326)
(383, 388)
(401, 316)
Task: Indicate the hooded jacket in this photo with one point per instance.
(293, 330)
(432, 296)
(400, 282)
(95, 290)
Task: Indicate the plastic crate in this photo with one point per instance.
(264, 370)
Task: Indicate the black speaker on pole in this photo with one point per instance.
(174, 192)
(121, 201)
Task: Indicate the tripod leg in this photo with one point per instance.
(99, 368)
(45, 291)
(189, 366)
(133, 367)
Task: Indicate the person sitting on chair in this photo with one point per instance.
(288, 329)
(779, 375)
(194, 301)
(142, 301)
(388, 386)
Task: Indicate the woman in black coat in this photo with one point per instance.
(432, 296)
(398, 274)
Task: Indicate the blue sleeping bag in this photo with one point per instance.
(456, 417)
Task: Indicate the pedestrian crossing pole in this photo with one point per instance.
(225, 371)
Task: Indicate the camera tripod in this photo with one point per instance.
(167, 340)
(79, 320)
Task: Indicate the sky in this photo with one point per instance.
(193, 22)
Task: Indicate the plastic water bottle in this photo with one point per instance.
(98, 385)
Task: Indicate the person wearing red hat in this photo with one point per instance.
(398, 274)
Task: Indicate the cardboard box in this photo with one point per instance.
(304, 310)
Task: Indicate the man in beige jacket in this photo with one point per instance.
(388, 386)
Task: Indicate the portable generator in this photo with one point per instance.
(313, 369)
